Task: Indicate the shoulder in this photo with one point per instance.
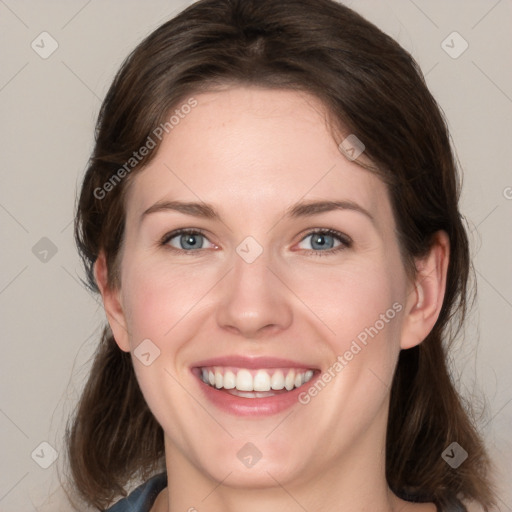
(143, 497)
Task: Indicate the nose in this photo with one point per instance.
(254, 302)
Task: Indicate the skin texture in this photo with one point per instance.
(252, 153)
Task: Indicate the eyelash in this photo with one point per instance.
(345, 241)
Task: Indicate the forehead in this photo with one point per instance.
(254, 149)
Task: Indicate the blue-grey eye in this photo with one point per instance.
(187, 240)
(323, 240)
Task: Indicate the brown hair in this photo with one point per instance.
(372, 88)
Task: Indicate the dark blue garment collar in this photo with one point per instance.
(143, 497)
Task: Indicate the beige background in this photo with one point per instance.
(50, 323)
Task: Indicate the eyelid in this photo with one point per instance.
(164, 241)
(345, 241)
(329, 231)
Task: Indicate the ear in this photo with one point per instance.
(112, 304)
(426, 296)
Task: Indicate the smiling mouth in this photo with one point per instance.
(254, 383)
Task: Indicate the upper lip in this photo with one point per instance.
(239, 361)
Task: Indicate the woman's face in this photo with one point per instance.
(272, 292)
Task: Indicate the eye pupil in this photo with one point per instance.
(190, 240)
(320, 241)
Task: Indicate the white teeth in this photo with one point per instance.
(289, 381)
(277, 380)
(229, 380)
(261, 381)
(219, 379)
(244, 381)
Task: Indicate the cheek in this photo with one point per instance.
(362, 309)
(158, 297)
(160, 302)
(351, 299)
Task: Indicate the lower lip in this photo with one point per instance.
(241, 406)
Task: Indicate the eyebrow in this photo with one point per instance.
(302, 209)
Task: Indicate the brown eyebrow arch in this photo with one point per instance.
(194, 209)
(304, 209)
(316, 207)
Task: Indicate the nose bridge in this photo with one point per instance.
(252, 297)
